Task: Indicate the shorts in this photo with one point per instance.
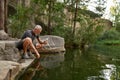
(19, 45)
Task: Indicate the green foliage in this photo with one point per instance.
(111, 35)
(50, 13)
(89, 31)
(112, 51)
(118, 26)
(108, 42)
(65, 32)
(20, 21)
(115, 12)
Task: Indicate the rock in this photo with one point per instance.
(55, 44)
(8, 70)
(2, 45)
(3, 35)
(8, 51)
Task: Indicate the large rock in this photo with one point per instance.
(8, 70)
(55, 44)
(3, 35)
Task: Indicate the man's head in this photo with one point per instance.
(37, 29)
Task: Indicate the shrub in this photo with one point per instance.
(110, 35)
(19, 22)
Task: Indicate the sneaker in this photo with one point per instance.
(25, 56)
(30, 55)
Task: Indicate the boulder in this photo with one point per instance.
(8, 70)
(55, 44)
(3, 35)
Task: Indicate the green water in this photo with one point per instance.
(94, 64)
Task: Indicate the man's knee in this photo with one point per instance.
(27, 40)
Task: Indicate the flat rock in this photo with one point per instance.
(8, 68)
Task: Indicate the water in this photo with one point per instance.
(74, 65)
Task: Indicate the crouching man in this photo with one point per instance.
(26, 42)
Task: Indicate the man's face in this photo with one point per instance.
(37, 31)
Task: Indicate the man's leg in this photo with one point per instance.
(27, 43)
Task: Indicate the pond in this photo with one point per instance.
(74, 65)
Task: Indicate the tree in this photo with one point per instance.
(5, 15)
(2, 14)
(75, 15)
(115, 12)
(3, 35)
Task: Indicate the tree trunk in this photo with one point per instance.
(5, 15)
(1, 14)
(75, 16)
(3, 35)
(49, 17)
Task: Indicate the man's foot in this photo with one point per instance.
(30, 55)
(36, 55)
(25, 56)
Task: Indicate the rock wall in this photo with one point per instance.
(8, 51)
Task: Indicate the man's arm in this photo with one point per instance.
(41, 42)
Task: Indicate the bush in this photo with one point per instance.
(20, 21)
(89, 32)
(110, 35)
(65, 32)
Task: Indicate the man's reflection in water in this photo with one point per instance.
(40, 67)
(29, 73)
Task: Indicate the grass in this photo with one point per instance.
(109, 42)
(108, 47)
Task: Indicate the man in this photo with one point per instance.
(26, 42)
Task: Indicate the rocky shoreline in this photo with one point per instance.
(9, 55)
(9, 69)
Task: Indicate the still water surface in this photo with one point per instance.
(73, 65)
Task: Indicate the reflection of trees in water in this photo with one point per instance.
(76, 66)
(52, 60)
(38, 68)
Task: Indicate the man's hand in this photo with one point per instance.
(45, 42)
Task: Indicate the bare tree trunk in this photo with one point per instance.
(5, 15)
(1, 14)
(75, 16)
(3, 35)
(49, 18)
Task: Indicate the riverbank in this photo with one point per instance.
(9, 55)
(9, 69)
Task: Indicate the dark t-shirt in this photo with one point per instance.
(29, 34)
